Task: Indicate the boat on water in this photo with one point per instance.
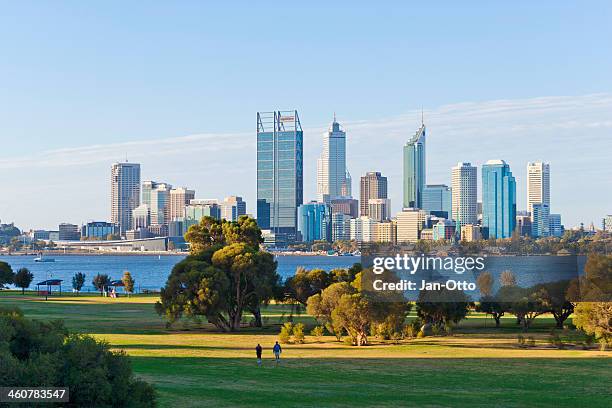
(41, 258)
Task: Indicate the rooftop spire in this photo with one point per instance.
(334, 117)
(422, 117)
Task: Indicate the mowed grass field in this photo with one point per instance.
(193, 366)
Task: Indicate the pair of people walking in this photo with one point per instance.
(277, 350)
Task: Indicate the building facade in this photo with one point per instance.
(179, 199)
(386, 232)
(373, 185)
(99, 230)
(363, 229)
(125, 193)
(414, 169)
(555, 227)
(379, 209)
(160, 204)
(540, 220)
(332, 176)
(341, 226)
(410, 222)
(498, 200)
(314, 222)
(538, 185)
(279, 172)
(470, 232)
(232, 208)
(437, 199)
(348, 206)
(444, 230)
(464, 206)
(69, 232)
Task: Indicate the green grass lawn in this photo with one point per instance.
(193, 366)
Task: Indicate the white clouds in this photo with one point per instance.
(573, 133)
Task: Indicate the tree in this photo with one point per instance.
(23, 278)
(489, 305)
(101, 282)
(524, 303)
(128, 282)
(305, 284)
(224, 276)
(553, 297)
(442, 307)
(485, 283)
(507, 278)
(78, 280)
(353, 314)
(6, 274)
(595, 319)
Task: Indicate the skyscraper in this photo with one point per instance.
(538, 185)
(179, 198)
(147, 187)
(464, 194)
(279, 173)
(373, 185)
(332, 177)
(437, 200)
(498, 200)
(314, 222)
(379, 209)
(125, 193)
(540, 220)
(410, 222)
(160, 204)
(414, 169)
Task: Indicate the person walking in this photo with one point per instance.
(277, 352)
(258, 351)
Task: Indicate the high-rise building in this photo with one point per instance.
(314, 222)
(444, 230)
(464, 194)
(498, 200)
(373, 185)
(555, 227)
(386, 232)
(523, 224)
(332, 177)
(141, 217)
(160, 204)
(125, 193)
(410, 222)
(348, 206)
(470, 232)
(363, 229)
(232, 208)
(379, 209)
(69, 232)
(414, 169)
(437, 200)
(538, 185)
(279, 173)
(199, 208)
(179, 198)
(540, 220)
(341, 226)
(147, 187)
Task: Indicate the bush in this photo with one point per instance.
(317, 332)
(285, 333)
(298, 333)
(409, 331)
(35, 354)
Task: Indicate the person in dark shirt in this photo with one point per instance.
(258, 351)
(277, 352)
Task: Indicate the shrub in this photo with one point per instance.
(317, 332)
(409, 331)
(285, 333)
(298, 333)
(421, 334)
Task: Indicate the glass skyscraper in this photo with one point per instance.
(125, 194)
(414, 169)
(279, 172)
(333, 180)
(437, 200)
(498, 200)
(314, 222)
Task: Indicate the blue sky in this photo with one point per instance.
(176, 87)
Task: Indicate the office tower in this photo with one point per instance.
(279, 173)
(314, 222)
(99, 230)
(444, 230)
(538, 185)
(125, 193)
(179, 198)
(141, 216)
(464, 194)
(540, 216)
(555, 227)
(347, 188)
(470, 233)
(437, 200)
(523, 224)
(373, 185)
(147, 187)
(199, 208)
(232, 208)
(332, 176)
(410, 222)
(348, 206)
(363, 229)
(69, 232)
(341, 226)
(379, 209)
(414, 169)
(386, 232)
(160, 204)
(498, 200)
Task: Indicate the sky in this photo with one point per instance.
(176, 86)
